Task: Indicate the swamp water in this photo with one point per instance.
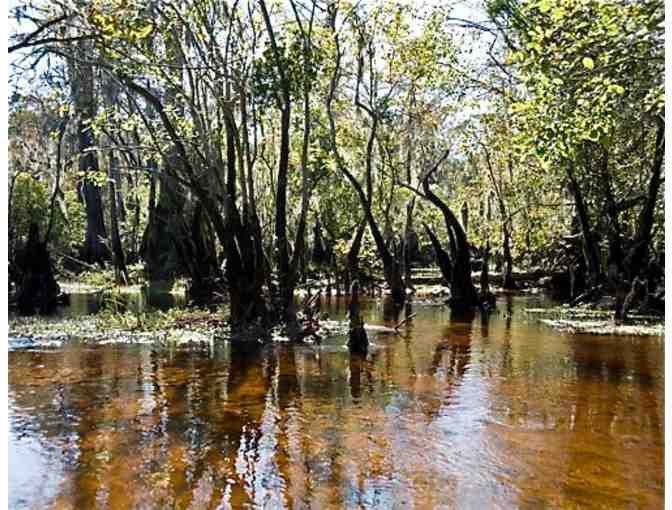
(493, 412)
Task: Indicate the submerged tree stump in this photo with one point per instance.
(358, 341)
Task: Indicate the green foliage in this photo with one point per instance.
(28, 205)
(587, 77)
(583, 84)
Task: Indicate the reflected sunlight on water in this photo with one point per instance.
(494, 412)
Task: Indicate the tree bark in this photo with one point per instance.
(119, 260)
(637, 259)
(83, 94)
(358, 341)
(38, 290)
(590, 247)
(352, 258)
(463, 294)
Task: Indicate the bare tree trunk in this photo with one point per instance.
(391, 266)
(407, 248)
(118, 258)
(463, 295)
(121, 206)
(637, 259)
(38, 290)
(83, 94)
(358, 341)
(164, 227)
(509, 283)
(465, 217)
(352, 259)
(57, 180)
(442, 257)
(591, 249)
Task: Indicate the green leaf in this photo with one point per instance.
(558, 13)
(545, 6)
(588, 63)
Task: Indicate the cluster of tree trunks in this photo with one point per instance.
(630, 270)
(197, 208)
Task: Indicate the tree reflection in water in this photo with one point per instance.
(491, 409)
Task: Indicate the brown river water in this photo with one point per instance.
(492, 412)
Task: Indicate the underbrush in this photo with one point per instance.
(175, 318)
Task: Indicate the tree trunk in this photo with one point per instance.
(319, 254)
(637, 260)
(83, 95)
(408, 246)
(465, 217)
(352, 258)
(442, 257)
(285, 284)
(243, 247)
(121, 206)
(198, 255)
(119, 260)
(164, 229)
(463, 294)
(509, 283)
(358, 341)
(38, 290)
(590, 247)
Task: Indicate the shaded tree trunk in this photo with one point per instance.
(164, 229)
(38, 290)
(590, 247)
(319, 254)
(358, 341)
(352, 258)
(465, 217)
(118, 257)
(442, 257)
(637, 260)
(83, 95)
(463, 294)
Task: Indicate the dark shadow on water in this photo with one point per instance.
(462, 316)
(361, 368)
(391, 310)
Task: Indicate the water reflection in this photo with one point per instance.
(391, 310)
(148, 298)
(458, 411)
